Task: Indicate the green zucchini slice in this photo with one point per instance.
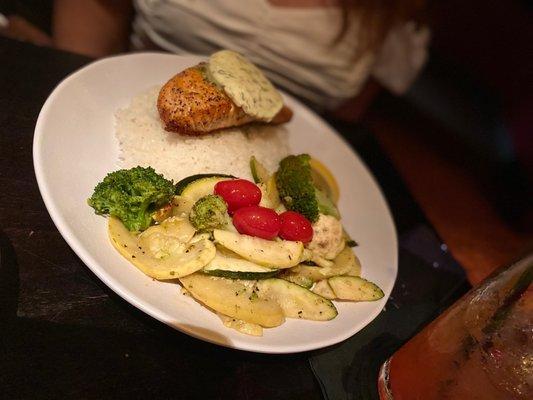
(186, 182)
(295, 300)
(237, 268)
(355, 288)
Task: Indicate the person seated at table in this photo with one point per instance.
(323, 51)
(332, 54)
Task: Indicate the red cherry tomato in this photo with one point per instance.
(238, 193)
(257, 221)
(294, 226)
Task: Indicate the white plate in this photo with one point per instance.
(75, 147)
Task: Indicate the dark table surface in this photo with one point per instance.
(64, 334)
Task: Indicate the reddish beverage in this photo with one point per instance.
(480, 348)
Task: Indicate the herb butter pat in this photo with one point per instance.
(245, 84)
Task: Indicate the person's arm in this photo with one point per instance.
(17, 27)
(92, 27)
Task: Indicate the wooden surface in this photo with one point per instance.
(450, 195)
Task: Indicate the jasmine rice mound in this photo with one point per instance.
(143, 141)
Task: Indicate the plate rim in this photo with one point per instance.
(69, 236)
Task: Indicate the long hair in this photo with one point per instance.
(374, 18)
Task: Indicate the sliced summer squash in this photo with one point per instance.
(191, 189)
(166, 238)
(269, 194)
(272, 192)
(193, 181)
(301, 280)
(236, 299)
(241, 326)
(296, 301)
(267, 184)
(178, 259)
(354, 288)
(258, 170)
(346, 263)
(237, 268)
(283, 254)
(182, 206)
(323, 289)
(202, 187)
(307, 272)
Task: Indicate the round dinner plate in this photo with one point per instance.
(75, 147)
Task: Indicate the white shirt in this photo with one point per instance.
(294, 46)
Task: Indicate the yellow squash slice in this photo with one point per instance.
(233, 298)
(284, 254)
(175, 260)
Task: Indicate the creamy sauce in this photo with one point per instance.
(245, 84)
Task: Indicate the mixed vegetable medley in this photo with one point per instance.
(254, 252)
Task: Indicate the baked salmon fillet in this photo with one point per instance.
(190, 104)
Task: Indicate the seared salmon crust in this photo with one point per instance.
(190, 104)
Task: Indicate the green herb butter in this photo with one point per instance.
(245, 84)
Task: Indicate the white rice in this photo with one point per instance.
(144, 142)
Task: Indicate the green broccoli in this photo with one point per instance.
(209, 212)
(295, 186)
(294, 181)
(132, 195)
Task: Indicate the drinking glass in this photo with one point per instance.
(480, 348)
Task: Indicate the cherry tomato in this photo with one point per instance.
(294, 226)
(257, 221)
(238, 193)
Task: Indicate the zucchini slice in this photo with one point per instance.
(269, 194)
(237, 268)
(201, 187)
(258, 170)
(185, 182)
(346, 263)
(267, 184)
(323, 289)
(296, 301)
(284, 254)
(236, 299)
(355, 288)
(301, 280)
(313, 273)
(272, 192)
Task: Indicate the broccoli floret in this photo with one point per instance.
(295, 186)
(132, 195)
(209, 212)
(298, 192)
